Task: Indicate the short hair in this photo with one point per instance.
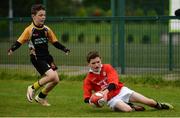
(36, 7)
(92, 55)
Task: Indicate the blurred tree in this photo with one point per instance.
(160, 6)
(22, 8)
(81, 12)
(71, 7)
(139, 12)
(61, 8)
(4, 8)
(151, 13)
(104, 4)
(109, 13)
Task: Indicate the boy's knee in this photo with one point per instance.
(53, 77)
(56, 80)
(123, 110)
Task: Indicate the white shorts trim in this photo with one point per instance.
(123, 95)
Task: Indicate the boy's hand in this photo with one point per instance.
(98, 99)
(105, 92)
(91, 104)
(67, 51)
(10, 52)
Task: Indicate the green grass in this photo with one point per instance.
(67, 101)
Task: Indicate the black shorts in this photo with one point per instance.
(43, 64)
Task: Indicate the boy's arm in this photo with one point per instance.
(87, 90)
(53, 39)
(86, 100)
(61, 47)
(15, 46)
(112, 75)
(112, 80)
(110, 87)
(22, 39)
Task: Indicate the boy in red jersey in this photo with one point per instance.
(38, 35)
(104, 78)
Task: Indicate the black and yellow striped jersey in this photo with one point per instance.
(38, 39)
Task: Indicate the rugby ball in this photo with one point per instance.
(97, 99)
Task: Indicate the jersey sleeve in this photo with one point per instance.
(25, 36)
(51, 36)
(87, 88)
(112, 75)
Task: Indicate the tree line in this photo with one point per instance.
(21, 8)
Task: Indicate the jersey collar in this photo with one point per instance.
(91, 70)
(38, 27)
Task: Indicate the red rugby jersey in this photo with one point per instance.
(96, 82)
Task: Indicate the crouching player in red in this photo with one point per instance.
(104, 78)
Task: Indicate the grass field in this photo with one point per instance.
(67, 101)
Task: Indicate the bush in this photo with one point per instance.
(81, 38)
(151, 13)
(130, 38)
(139, 12)
(146, 39)
(97, 39)
(4, 26)
(65, 37)
(81, 12)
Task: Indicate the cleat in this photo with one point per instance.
(42, 101)
(136, 107)
(166, 106)
(30, 93)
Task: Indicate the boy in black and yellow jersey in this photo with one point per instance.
(38, 35)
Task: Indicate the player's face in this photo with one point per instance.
(95, 64)
(39, 18)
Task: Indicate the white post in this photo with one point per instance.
(10, 20)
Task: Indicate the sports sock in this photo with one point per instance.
(43, 93)
(158, 106)
(36, 85)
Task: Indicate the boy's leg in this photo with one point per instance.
(137, 97)
(164, 106)
(122, 106)
(31, 90)
(41, 98)
(136, 107)
(51, 77)
(39, 65)
(53, 81)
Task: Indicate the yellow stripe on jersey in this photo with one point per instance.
(51, 36)
(26, 35)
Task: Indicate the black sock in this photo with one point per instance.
(158, 106)
(41, 95)
(32, 86)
